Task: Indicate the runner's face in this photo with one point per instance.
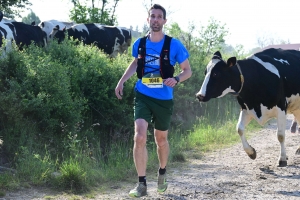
(156, 20)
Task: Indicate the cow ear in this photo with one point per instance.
(42, 24)
(217, 55)
(65, 28)
(56, 27)
(231, 61)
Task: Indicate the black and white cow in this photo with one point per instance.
(5, 33)
(26, 34)
(112, 40)
(22, 34)
(48, 26)
(267, 85)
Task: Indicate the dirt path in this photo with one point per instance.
(223, 174)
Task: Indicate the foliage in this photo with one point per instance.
(61, 98)
(12, 8)
(59, 90)
(84, 13)
(33, 168)
(212, 36)
(31, 17)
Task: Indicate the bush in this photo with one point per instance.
(48, 93)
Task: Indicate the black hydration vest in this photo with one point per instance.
(166, 69)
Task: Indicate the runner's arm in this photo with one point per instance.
(131, 69)
(184, 75)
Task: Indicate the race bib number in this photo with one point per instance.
(152, 80)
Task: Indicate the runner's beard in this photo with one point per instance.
(156, 28)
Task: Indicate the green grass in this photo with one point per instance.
(85, 170)
(206, 137)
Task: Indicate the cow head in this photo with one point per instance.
(56, 33)
(218, 79)
(47, 28)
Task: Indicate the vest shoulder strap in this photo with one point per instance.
(166, 69)
(143, 42)
(167, 42)
(141, 57)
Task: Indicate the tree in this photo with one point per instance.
(13, 8)
(86, 12)
(146, 5)
(267, 39)
(31, 17)
(145, 29)
(212, 36)
(185, 37)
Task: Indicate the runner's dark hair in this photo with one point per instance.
(157, 6)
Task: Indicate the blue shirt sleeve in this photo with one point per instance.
(135, 47)
(178, 53)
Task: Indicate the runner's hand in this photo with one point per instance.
(171, 82)
(119, 91)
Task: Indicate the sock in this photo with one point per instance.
(162, 171)
(142, 179)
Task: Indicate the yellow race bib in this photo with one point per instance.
(152, 80)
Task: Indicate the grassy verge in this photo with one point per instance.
(85, 169)
(207, 137)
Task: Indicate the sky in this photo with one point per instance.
(246, 21)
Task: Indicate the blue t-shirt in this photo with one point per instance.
(178, 54)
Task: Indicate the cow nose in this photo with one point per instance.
(199, 97)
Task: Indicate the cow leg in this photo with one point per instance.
(297, 116)
(281, 125)
(244, 120)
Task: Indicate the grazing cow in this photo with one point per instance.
(112, 40)
(267, 85)
(127, 38)
(48, 26)
(5, 33)
(22, 34)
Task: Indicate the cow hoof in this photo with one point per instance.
(282, 164)
(298, 151)
(252, 156)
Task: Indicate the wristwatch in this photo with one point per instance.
(177, 79)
